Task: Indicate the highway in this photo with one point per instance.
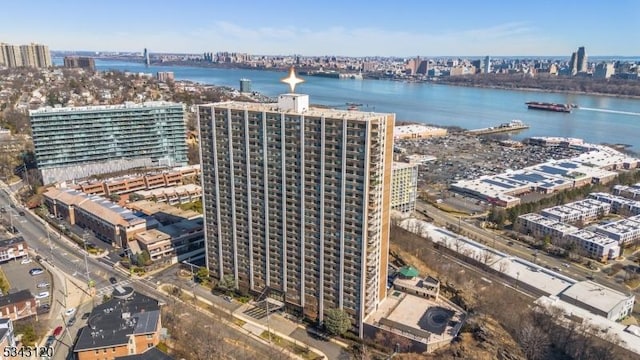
(500, 243)
(65, 256)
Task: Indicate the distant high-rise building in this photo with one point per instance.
(582, 60)
(77, 142)
(28, 55)
(165, 76)
(32, 55)
(147, 60)
(487, 65)
(297, 202)
(573, 63)
(604, 71)
(11, 55)
(43, 55)
(245, 85)
(82, 62)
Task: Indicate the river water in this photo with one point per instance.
(598, 119)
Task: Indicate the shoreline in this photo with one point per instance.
(571, 92)
(435, 82)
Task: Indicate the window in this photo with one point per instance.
(149, 346)
(149, 336)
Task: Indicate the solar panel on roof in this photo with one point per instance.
(496, 183)
(552, 170)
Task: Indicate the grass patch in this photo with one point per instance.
(239, 322)
(5, 285)
(163, 347)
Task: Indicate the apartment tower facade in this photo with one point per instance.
(296, 200)
(77, 142)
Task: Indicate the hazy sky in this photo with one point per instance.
(355, 28)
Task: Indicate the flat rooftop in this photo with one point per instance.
(593, 237)
(596, 295)
(164, 213)
(99, 108)
(427, 320)
(402, 165)
(541, 278)
(313, 111)
(624, 226)
(630, 341)
(400, 130)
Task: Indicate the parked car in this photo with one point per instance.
(21, 213)
(57, 331)
(85, 316)
(50, 340)
(42, 295)
(113, 280)
(36, 271)
(69, 311)
(42, 285)
(71, 321)
(25, 261)
(44, 307)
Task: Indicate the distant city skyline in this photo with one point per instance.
(332, 28)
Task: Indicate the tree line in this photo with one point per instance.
(620, 87)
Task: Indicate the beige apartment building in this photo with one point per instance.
(404, 187)
(297, 201)
(31, 55)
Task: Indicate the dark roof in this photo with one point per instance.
(11, 241)
(151, 354)
(112, 322)
(16, 297)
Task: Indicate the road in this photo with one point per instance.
(575, 271)
(69, 258)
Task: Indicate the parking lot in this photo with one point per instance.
(19, 278)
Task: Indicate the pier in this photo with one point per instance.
(514, 125)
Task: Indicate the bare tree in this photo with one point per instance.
(534, 342)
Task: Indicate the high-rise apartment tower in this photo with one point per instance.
(297, 202)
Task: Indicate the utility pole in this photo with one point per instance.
(86, 262)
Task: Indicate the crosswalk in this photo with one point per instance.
(107, 290)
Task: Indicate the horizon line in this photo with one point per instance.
(346, 56)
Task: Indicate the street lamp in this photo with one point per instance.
(517, 278)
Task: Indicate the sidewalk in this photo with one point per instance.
(250, 327)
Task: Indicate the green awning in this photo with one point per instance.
(409, 271)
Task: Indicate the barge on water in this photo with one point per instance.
(535, 105)
(514, 125)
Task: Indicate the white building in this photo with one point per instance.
(631, 192)
(404, 187)
(618, 203)
(629, 335)
(415, 131)
(623, 231)
(595, 245)
(600, 300)
(583, 210)
(540, 226)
